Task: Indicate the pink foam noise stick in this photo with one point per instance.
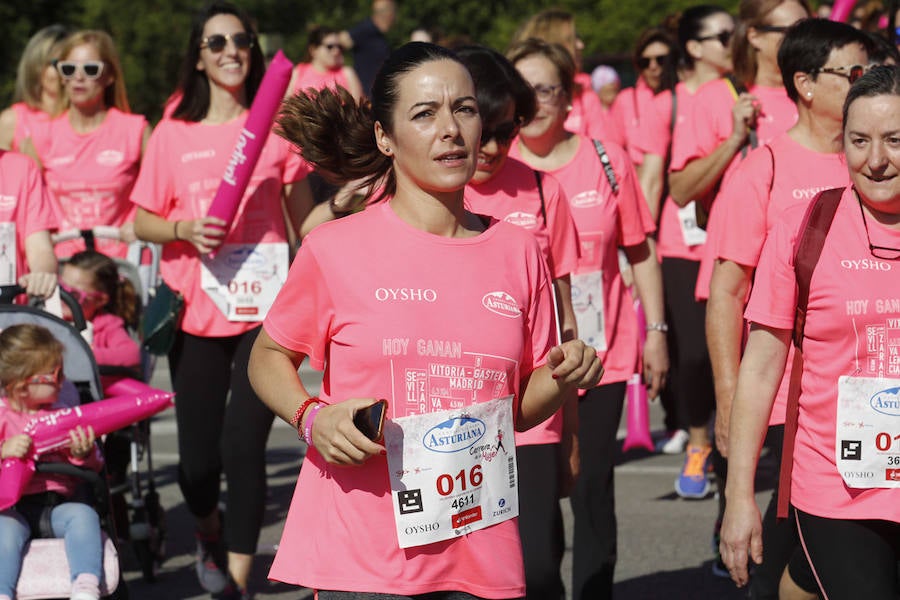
(638, 421)
(840, 10)
(133, 401)
(252, 138)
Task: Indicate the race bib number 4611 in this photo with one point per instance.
(452, 472)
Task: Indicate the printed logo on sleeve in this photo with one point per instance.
(522, 219)
(586, 199)
(502, 304)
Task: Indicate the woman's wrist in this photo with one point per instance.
(175, 230)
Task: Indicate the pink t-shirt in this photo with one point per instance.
(182, 169)
(26, 119)
(512, 196)
(851, 330)
(307, 76)
(589, 117)
(25, 203)
(90, 176)
(604, 222)
(627, 111)
(416, 330)
(747, 210)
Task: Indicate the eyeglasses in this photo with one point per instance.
(503, 133)
(881, 252)
(217, 42)
(80, 296)
(547, 93)
(723, 36)
(853, 72)
(333, 47)
(643, 62)
(54, 378)
(772, 28)
(91, 69)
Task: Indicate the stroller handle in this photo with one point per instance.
(108, 232)
(8, 293)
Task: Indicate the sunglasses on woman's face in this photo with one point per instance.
(216, 43)
(851, 72)
(333, 47)
(644, 61)
(91, 69)
(503, 133)
(54, 378)
(723, 37)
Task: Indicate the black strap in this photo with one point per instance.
(771, 158)
(540, 186)
(607, 166)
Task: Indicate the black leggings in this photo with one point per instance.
(594, 547)
(540, 520)
(690, 373)
(852, 559)
(213, 435)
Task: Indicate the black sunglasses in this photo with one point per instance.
(643, 62)
(771, 28)
(723, 36)
(853, 72)
(503, 133)
(217, 42)
(331, 47)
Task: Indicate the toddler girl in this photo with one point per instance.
(31, 379)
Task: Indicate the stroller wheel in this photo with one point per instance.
(146, 558)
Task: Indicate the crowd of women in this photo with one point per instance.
(476, 234)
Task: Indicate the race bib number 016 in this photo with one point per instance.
(452, 473)
(867, 436)
(243, 279)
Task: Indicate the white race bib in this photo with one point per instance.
(587, 302)
(452, 472)
(692, 233)
(8, 254)
(243, 279)
(867, 435)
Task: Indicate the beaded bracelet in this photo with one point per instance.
(307, 427)
(298, 415)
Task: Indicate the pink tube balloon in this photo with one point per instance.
(252, 139)
(638, 418)
(841, 9)
(133, 402)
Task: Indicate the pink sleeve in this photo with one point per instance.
(652, 135)
(39, 214)
(112, 345)
(740, 227)
(300, 318)
(773, 300)
(702, 133)
(153, 189)
(541, 324)
(564, 249)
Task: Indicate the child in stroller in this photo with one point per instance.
(31, 376)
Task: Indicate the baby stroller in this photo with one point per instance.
(44, 569)
(135, 508)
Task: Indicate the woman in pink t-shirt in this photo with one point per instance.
(326, 65)
(226, 294)
(509, 190)
(844, 476)
(609, 211)
(442, 312)
(92, 153)
(38, 95)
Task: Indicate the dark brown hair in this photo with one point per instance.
(555, 53)
(123, 300)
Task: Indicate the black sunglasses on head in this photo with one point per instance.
(216, 43)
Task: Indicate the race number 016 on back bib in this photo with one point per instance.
(867, 432)
(452, 472)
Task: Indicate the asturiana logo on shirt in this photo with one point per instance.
(887, 402)
(522, 219)
(454, 435)
(110, 158)
(502, 304)
(586, 199)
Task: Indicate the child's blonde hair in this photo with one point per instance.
(27, 350)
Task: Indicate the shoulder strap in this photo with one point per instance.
(540, 186)
(607, 166)
(813, 231)
(772, 159)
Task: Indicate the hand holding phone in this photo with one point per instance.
(370, 420)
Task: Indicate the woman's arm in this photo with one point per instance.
(298, 204)
(650, 177)
(7, 128)
(354, 85)
(760, 375)
(648, 281)
(205, 234)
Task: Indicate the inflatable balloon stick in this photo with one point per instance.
(252, 139)
(132, 401)
(638, 434)
(840, 10)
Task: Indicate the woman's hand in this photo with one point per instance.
(574, 363)
(38, 284)
(656, 362)
(126, 232)
(336, 437)
(81, 442)
(741, 537)
(17, 446)
(206, 234)
(744, 114)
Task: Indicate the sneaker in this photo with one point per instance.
(718, 566)
(674, 444)
(232, 591)
(693, 483)
(211, 564)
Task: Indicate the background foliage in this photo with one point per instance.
(151, 34)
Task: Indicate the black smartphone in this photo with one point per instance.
(370, 420)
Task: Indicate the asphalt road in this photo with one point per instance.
(664, 541)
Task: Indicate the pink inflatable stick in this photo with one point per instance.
(133, 402)
(840, 10)
(252, 139)
(638, 418)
